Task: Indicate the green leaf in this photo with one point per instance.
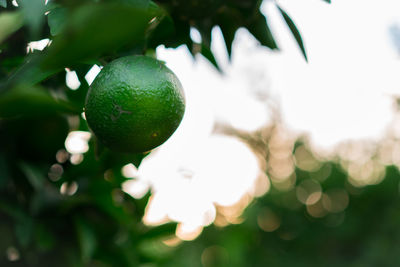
(164, 230)
(34, 175)
(208, 54)
(3, 3)
(205, 32)
(33, 11)
(45, 239)
(30, 73)
(328, 1)
(56, 20)
(87, 239)
(143, 4)
(95, 29)
(29, 101)
(161, 32)
(24, 230)
(294, 31)
(229, 34)
(229, 20)
(13, 210)
(259, 28)
(10, 22)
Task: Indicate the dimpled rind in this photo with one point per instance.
(135, 104)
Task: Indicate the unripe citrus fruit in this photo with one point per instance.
(135, 104)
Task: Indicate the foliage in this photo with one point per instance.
(46, 222)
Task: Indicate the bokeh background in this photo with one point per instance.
(282, 159)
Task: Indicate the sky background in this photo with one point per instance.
(344, 92)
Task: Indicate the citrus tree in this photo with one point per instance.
(60, 207)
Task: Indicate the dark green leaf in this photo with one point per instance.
(3, 3)
(164, 230)
(23, 231)
(10, 22)
(56, 19)
(34, 175)
(164, 29)
(294, 31)
(205, 32)
(93, 30)
(142, 4)
(113, 159)
(208, 54)
(44, 238)
(87, 239)
(28, 101)
(137, 158)
(261, 31)
(229, 35)
(33, 11)
(13, 210)
(328, 1)
(30, 73)
(229, 20)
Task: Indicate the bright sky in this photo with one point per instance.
(344, 92)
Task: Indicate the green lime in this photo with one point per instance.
(135, 104)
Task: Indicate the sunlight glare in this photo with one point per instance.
(77, 142)
(71, 79)
(188, 232)
(136, 188)
(92, 73)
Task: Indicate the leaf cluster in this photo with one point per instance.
(56, 211)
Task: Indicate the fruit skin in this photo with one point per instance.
(135, 104)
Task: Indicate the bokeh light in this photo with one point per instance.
(77, 142)
(71, 79)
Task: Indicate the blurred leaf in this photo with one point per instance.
(229, 35)
(208, 54)
(92, 30)
(44, 238)
(114, 159)
(229, 21)
(168, 32)
(294, 31)
(10, 22)
(28, 101)
(136, 159)
(33, 11)
(46, 134)
(3, 3)
(56, 19)
(13, 210)
(162, 31)
(87, 239)
(23, 231)
(205, 32)
(101, 191)
(34, 175)
(30, 73)
(259, 28)
(328, 1)
(142, 4)
(163, 230)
